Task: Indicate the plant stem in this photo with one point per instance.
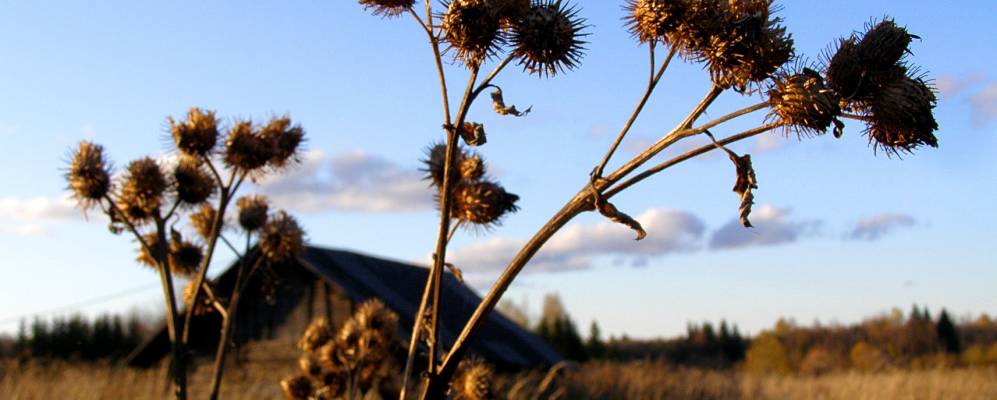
(229, 321)
(223, 199)
(651, 84)
(687, 155)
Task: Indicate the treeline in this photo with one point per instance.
(105, 337)
(916, 340)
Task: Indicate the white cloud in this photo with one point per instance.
(952, 85)
(875, 227)
(576, 246)
(769, 142)
(350, 181)
(984, 105)
(32, 217)
(772, 226)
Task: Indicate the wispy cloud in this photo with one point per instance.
(575, 247)
(768, 143)
(33, 217)
(973, 89)
(984, 105)
(877, 226)
(349, 181)
(772, 226)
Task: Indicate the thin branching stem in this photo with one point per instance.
(651, 84)
(687, 155)
(229, 321)
(214, 171)
(230, 246)
(856, 117)
(485, 83)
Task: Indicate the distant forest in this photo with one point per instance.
(106, 337)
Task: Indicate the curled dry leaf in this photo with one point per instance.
(745, 182)
(501, 109)
(610, 211)
(473, 133)
(455, 271)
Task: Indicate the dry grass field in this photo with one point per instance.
(589, 381)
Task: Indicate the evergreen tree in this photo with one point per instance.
(947, 333)
(595, 347)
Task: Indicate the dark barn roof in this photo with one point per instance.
(399, 286)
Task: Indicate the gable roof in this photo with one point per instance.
(399, 286)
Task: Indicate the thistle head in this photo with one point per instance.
(316, 335)
(473, 381)
(285, 139)
(296, 387)
(802, 102)
(651, 21)
(901, 116)
(89, 174)
(281, 239)
(472, 30)
(141, 195)
(883, 45)
(245, 149)
(387, 8)
(844, 69)
(374, 317)
(196, 135)
(252, 212)
(482, 203)
(548, 39)
(185, 257)
(194, 184)
(202, 219)
(748, 47)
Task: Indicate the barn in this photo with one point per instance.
(331, 283)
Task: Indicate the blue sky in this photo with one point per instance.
(841, 233)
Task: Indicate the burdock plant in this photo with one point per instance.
(151, 199)
(741, 44)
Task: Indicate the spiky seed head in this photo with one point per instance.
(310, 367)
(245, 149)
(472, 168)
(285, 138)
(435, 159)
(141, 195)
(483, 203)
(701, 20)
(803, 103)
(651, 21)
(144, 256)
(333, 385)
(548, 39)
(185, 257)
(510, 12)
(472, 30)
(328, 355)
(883, 45)
(281, 239)
(252, 212)
(194, 184)
(387, 8)
(297, 387)
(316, 335)
(196, 135)
(473, 381)
(202, 219)
(374, 317)
(89, 174)
(844, 70)
(350, 342)
(748, 47)
(901, 116)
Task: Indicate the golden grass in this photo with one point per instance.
(602, 380)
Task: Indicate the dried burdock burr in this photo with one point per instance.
(281, 239)
(510, 12)
(196, 135)
(245, 149)
(467, 165)
(471, 168)
(193, 183)
(204, 306)
(316, 335)
(387, 8)
(473, 381)
(202, 219)
(297, 387)
(285, 139)
(309, 366)
(748, 47)
(803, 103)
(651, 21)
(548, 39)
(482, 203)
(89, 174)
(883, 45)
(471, 28)
(185, 257)
(900, 116)
(141, 195)
(252, 212)
(144, 255)
(844, 72)
(700, 20)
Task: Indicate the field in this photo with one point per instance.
(588, 381)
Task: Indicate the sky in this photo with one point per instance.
(841, 233)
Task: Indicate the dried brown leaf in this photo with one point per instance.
(501, 109)
(610, 211)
